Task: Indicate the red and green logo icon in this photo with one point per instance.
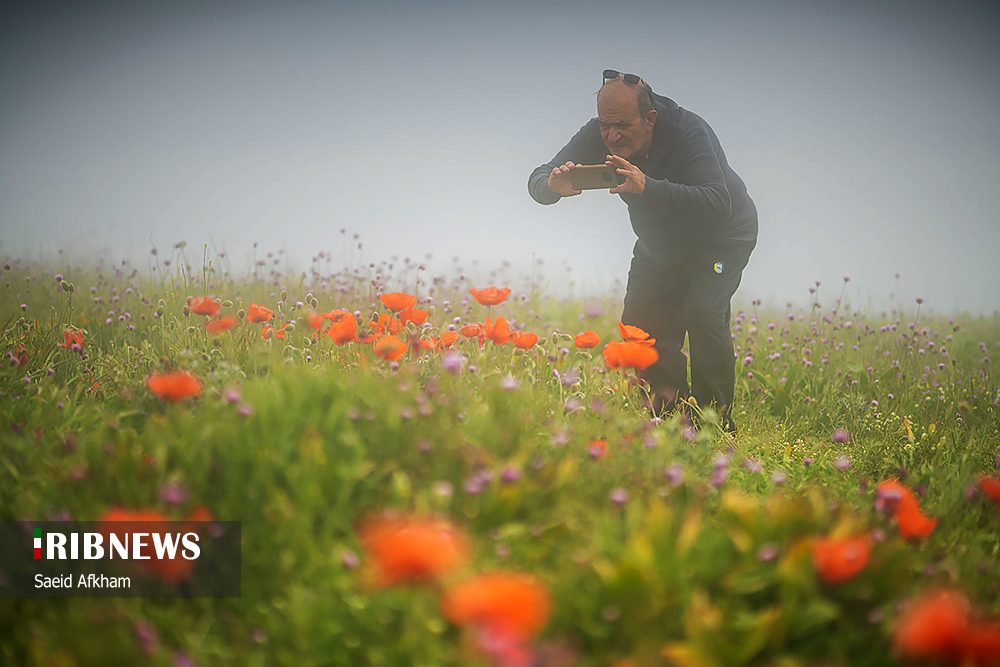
(38, 543)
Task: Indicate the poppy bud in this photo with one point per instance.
(284, 295)
(190, 329)
(186, 310)
(159, 311)
(161, 303)
(314, 302)
(64, 285)
(309, 297)
(242, 314)
(430, 312)
(227, 303)
(279, 305)
(71, 288)
(205, 357)
(289, 327)
(543, 341)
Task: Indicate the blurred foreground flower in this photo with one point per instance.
(940, 626)
(390, 348)
(221, 324)
(912, 522)
(990, 486)
(175, 386)
(411, 549)
(510, 604)
(840, 560)
(169, 570)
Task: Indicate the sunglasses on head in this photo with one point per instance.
(629, 78)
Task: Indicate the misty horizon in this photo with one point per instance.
(866, 137)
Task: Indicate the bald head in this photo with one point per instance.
(638, 95)
(627, 118)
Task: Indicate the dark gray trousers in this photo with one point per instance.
(689, 295)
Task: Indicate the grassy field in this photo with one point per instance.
(478, 503)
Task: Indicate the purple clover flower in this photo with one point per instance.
(618, 496)
(675, 474)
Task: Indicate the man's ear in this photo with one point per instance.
(651, 117)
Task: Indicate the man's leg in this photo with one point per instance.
(654, 302)
(708, 310)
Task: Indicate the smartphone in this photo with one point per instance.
(593, 177)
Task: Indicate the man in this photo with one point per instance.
(696, 227)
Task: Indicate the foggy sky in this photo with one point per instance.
(867, 137)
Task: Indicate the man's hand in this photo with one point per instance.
(560, 183)
(635, 180)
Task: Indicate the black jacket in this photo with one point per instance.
(693, 200)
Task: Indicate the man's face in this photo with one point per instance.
(624, 132)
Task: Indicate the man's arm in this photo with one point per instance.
(704, 197)
(585, 147)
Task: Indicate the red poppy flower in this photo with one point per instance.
(397, 301)
(412, 549)
(895, 496)
(586, 340)
(934, 627)
(390, 348)
(335, 315)
(315, 320)
(510, 604)
(990, 487)
(418, 317)
(224, 323)
(914, 524)
(498, 332)
(524, 340)
(982, 644)
(277, 333)
(259, 314)
(490, 296)
(343, 330)
(471, 330)
(840, 560)
(629, 355)
(202, 305)
(22, 356)
(170, 570)
(447, 340)
(72, 337)
(417, 344)
(635, 334)
(385, 324)
(175, 386)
